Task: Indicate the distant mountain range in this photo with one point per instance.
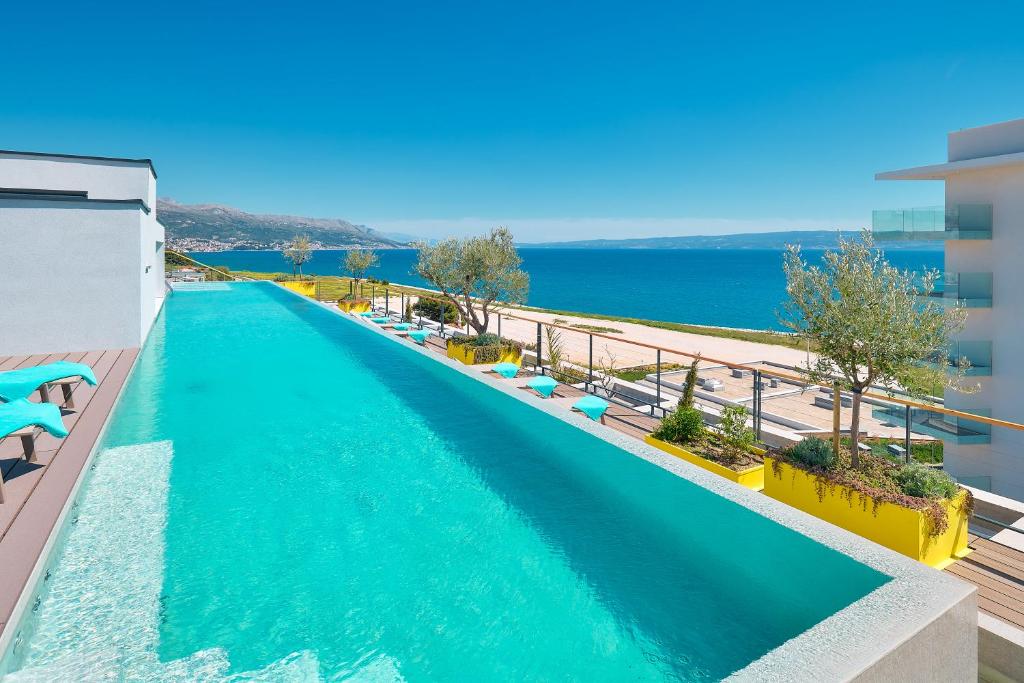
(211, 227)
(808, 239)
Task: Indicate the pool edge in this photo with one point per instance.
(893, 632)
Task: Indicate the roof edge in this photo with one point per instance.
(944, 170)
(37, 196)
(55, 155)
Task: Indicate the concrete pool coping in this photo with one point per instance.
(920, 625)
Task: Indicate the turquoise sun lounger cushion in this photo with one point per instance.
(591, 406)
(506, 370)
(23, 413)
(15, 384)
(367, 314)
(380, 321)
(402, 327)
(419, 336)
(543, 385)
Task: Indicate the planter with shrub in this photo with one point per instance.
(485, 349)
(303, 287)
(913, 509)
(353, 304)
(727, 451)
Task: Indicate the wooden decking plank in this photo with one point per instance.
(995, 609)
(11, 362)
(24, 540)
(990, 582)
(1007, 563)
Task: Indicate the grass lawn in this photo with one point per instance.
(928, 452)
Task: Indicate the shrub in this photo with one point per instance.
(691, 384)
(408, 311)
(814, 452)
(925, 482)
(684, 426)
(486, 339)
(736, 436)
(429, 308)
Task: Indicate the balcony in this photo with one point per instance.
(970, 290)
(958, 222)
(946, 427)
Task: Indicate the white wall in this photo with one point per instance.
(69, 276)
(1003, 324)
(986, 141)
(101, 179)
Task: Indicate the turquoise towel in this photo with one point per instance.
(367, 314)
(402, 327)
(506, 370)
(23, 413)
(543, 385)
(15, 384)
(419, 336)
(591, 406)
(380, 321)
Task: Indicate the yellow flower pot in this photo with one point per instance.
(751, 477)
(303, 287)
(466, 353)
(902, 529)
(356, 306)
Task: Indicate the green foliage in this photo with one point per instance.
(407, 317)
(298, 252)
(685, 425)
(925, 482)
(866, 322)
(487, 348)
(358, 261)
(600, 329)
(639, 372)
(691, 384)
(431, 308)
(486, 339)
(815, 453)
(736, 436)
(473, 273)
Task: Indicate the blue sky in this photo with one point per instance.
(562, 120)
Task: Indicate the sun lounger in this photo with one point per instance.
(592, 406)
(20, 417)
(419, 336)
(367, 314)
(380, 321)
(506, 370)
(401, 327)
(543, 385)
(15, 384)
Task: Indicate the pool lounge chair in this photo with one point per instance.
(21, 417)
(15, 384)
(401, 327)
(380, 321)
(592, 406)
(419, 336)
(506, 370)
(543, 385)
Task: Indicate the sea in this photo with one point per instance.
(742, 288)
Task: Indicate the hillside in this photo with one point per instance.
(808, 239)
(211, 227)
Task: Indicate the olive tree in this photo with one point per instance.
(866, 320)
(299, 251)
(474, 273)
(357, 262)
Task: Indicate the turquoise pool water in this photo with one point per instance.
(285, 495)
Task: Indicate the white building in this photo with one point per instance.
(981, 224)
(81, 252)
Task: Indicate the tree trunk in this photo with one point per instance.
(855, 430)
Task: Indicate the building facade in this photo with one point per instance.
(981, 225)
(81, 253)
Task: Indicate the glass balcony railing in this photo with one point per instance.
(978, 355)
(957, 222)
(970, 290)
(946, 427)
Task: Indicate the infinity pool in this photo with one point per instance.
(283, 494)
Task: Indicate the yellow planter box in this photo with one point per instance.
(751, 477)
(358, 306)
(304, 287)
(894, 526)
(465, 353)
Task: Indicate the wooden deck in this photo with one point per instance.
(37, 492)
(998, 572)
